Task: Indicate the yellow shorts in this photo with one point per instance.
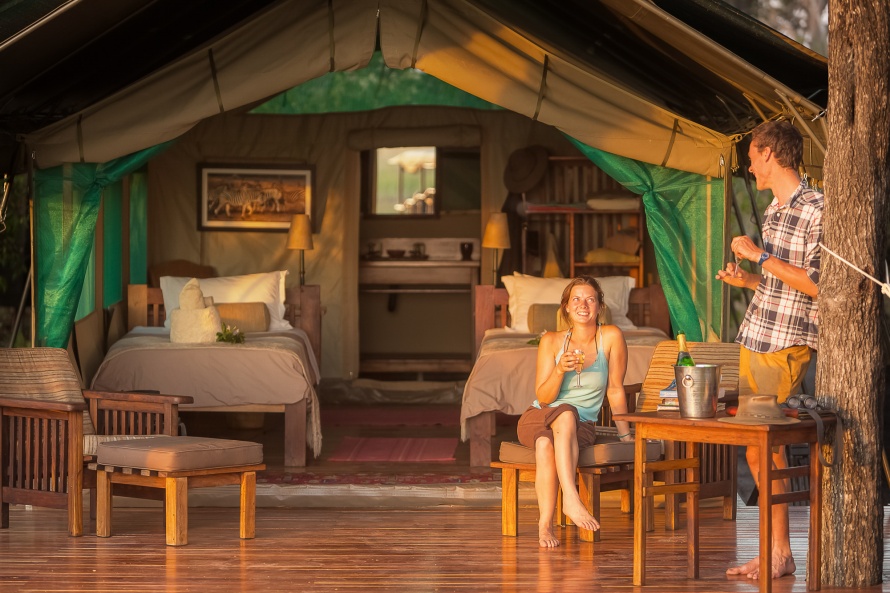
(775, 373)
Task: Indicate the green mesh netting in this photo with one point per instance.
(373, 87)
(684, 216)
(66, 205)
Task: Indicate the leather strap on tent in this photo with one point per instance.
(331, 33)
(542, 87)
(674, 131)
(215, 80)
(421, 22)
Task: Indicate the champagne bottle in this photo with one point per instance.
(684, 359)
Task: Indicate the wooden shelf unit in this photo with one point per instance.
(559, 206)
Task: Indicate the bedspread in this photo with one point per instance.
(503, 377)
(268, 368)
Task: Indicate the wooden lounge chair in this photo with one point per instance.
(50, 428)
(606, 466)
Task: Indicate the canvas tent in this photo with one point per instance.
(665, 84)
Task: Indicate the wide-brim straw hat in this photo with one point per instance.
(525, 168)
(759, 409)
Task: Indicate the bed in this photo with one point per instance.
(272, 371)
(502, 378)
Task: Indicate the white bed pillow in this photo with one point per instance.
(267, 288)
(524, 291)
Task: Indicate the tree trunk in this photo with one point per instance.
(850, 373)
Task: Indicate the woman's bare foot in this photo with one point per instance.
(546, 537)
(782, 565)
(578, 514)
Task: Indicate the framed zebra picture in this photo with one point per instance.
(252, 197)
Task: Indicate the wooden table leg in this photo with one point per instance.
(177, 504)
(509, 500)
(640, 512)
(814, 556)
(671, 501)
(248, 505)
(693, 474)
(103, 504)
(765, 499)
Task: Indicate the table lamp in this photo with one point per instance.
(497, 237)
(300, 237)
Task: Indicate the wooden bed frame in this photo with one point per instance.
(647, 307)
(145, 307)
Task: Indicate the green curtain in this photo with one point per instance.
(66, 206)
(139, 227)
(684, 216)
(373, 87)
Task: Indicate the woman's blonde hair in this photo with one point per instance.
(567, 293)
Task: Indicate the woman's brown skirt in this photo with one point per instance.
(535, 423)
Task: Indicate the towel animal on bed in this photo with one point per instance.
(196, 320)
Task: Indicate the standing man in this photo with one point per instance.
(780, 330)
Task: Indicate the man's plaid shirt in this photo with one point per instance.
(780, 316)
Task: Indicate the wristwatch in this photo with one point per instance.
(763, 257)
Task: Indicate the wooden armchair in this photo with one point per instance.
(719, 470)
(50, 428)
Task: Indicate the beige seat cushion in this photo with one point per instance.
(248, 317)
(608, 450)
(180, 453)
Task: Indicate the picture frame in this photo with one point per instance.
(252, 197)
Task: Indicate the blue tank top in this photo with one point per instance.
(594, 379)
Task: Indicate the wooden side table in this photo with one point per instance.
(694, 431)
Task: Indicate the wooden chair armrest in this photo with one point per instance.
(38, 404)
(128, 396)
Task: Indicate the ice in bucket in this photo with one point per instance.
(697, 389)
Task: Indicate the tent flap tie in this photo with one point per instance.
(674, 131)
(219, 100)
(331, 33)
(420, 25)
(542, 88)
(80, 137)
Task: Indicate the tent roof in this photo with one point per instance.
(67, 59)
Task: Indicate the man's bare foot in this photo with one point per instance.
(546, 537)
(579, 515)
(782, 565)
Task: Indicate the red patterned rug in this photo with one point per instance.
(390, 415)
(395, 450)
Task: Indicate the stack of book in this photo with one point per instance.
(669, 400)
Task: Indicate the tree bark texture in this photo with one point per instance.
(850, 373)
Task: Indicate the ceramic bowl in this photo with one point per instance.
(395, 253)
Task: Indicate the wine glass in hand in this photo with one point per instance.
(579, 365)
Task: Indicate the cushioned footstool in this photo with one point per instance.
(606, 466)
(175, 464)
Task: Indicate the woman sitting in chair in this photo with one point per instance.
(576, 369)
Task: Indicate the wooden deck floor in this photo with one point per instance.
(351, 550)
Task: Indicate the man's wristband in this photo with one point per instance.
(763, 257)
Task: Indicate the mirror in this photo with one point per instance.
(420, 181)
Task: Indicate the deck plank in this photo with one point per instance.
(372, 549)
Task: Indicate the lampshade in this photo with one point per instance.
(300, 235)
(497, 234)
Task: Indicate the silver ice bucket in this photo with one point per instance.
(697, 389)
